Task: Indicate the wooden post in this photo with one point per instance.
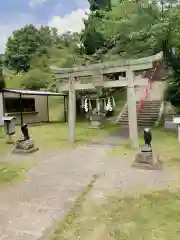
(72, 110)
(132, 116)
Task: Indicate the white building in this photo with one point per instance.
(27, 106)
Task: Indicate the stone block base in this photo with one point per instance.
(24, 151)
(147, 160)
(24, 147)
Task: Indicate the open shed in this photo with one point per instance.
(26, 105)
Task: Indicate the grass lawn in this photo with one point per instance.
(150, 216)
(147, 216)
(10, 172)
(55, 135)
(163, 142)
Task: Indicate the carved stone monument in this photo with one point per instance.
(25, 145)
(146, 158)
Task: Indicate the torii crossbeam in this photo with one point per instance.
(69, 79)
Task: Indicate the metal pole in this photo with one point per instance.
(21, 107)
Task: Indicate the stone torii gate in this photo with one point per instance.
(70, 79)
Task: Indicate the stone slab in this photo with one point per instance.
(147, 160)
(23, 151)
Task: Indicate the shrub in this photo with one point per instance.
(35, 79)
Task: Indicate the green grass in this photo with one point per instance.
(74, 211)
(55, 135)
(150, 216)
(147, 216)
(56, 109)
(13, 81)
(164, 143)
(9, 172)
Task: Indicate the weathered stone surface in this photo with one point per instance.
(146, 148)
(27, 146)
(147, 160)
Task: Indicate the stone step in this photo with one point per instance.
(146, 117)
(139, 120)
(139, 124)
(150, 104)
(144, 114)
(145, 111)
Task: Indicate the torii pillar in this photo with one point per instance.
(132, 116)
(72, 111)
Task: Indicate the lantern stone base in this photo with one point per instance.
(24, 147)
(147, 159)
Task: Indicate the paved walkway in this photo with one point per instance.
(30, 208)
(119, 176)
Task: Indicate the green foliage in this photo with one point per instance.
(131, 29)
(35, 79)
(172, 94)
(92, 38)
(38, 76)
(173, 41)
(26, 42)
(2, 80)
(113, 30)
(100, 4)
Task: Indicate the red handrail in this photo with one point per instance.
(146, 91)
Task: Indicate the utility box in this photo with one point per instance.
(9, 125)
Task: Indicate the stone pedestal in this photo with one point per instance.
(146, 158)
(97, 121)
(26, 146)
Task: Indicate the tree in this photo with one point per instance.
(2, 80)
(100, 5)
(39, 75)
(92, 39)
(173, 58)
(35, 79)
(26, 42)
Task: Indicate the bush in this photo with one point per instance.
(35, 79)
(2, 82)
(172, 94)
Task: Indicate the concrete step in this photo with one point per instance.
(142, 114)
(138, 119)
(146, 117)
(139, 124)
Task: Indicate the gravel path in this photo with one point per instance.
(29, 208)
(119, 176)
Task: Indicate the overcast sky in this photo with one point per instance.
(65, 15)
